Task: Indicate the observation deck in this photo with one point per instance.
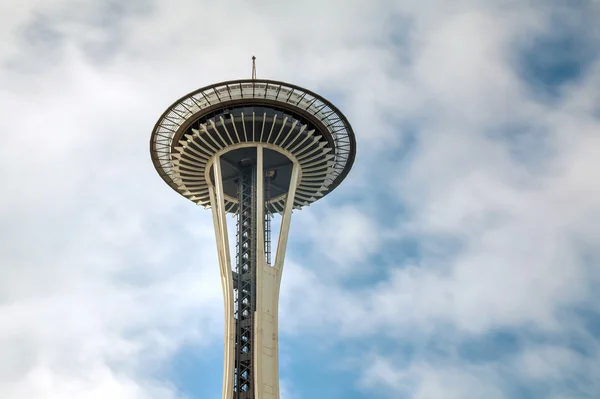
(229, 119)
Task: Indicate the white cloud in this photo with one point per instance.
(96, 291)
(342, 237)
(422, 381)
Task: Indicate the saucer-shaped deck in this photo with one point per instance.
(231, 119)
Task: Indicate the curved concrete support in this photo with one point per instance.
(217, 203)
(266, 355)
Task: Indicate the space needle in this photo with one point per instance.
(252, 148)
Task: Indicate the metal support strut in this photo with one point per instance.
(269, 175)
(245, 285)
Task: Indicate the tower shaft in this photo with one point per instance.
(251, 288)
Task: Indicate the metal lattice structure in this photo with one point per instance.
(244, 284)
(252, 148)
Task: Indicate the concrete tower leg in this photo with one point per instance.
(217, 203)
(268, 279)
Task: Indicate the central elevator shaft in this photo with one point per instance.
(244, 277)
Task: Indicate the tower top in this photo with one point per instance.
(253, 67)
(230, 120)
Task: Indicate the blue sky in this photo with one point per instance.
(458, 260)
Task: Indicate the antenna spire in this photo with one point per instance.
(253, 67)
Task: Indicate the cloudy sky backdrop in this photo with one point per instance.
(459, 260)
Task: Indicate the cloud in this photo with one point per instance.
(498, 197)
(421, 381)
(94, 297)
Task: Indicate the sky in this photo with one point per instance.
(458, 260)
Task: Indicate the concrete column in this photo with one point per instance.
(217, 203)
(266, 351)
